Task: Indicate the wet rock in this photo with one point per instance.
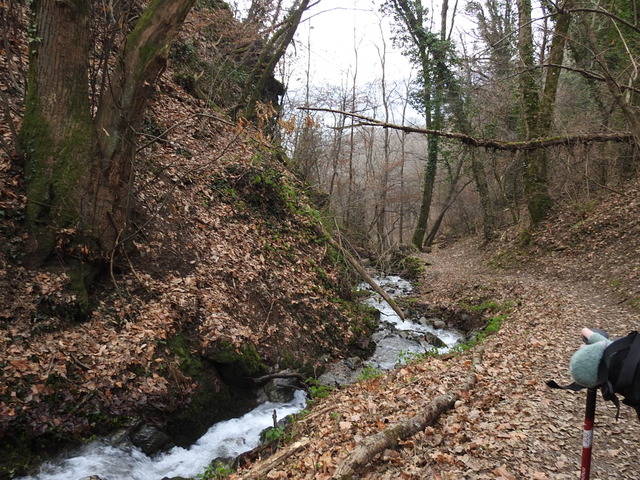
(279, 390)
(353, 363)
(433, 340)
(343, 372)
(150, 439)
(439, 323)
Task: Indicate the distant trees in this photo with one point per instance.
(550, 87)
(432, 53)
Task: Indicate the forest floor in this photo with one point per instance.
(510, 425)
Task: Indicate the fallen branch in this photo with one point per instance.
(489, 144)
(261, 381)
(390, 437)
(262, 468)
(360, 269)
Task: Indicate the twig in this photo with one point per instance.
(177, 124)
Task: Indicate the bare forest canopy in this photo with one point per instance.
(521, 107)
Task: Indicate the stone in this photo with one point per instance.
(439, 323)
(433, 340)
(150, 439)
(280, 390)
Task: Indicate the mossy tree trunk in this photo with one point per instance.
(271, 54)
(432, 53)
(538, 106)
(57, 131)
(79, 169)
(120, 113)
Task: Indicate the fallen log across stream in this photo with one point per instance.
(360, 269)
(390, 437)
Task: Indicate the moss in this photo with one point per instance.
(242, 362)
(211, 402)
(190, 365)
(55, 170)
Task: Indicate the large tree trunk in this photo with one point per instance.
(538, 109)
(535, 162)
(57, 132)
(121, 112)
(78, 170)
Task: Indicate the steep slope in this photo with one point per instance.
(222, 278)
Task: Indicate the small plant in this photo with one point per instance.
(369, 372)
(317, 390)
(407, 357)
(274, 434)
(216, 471)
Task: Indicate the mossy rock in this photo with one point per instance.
(212, 401)
(236, 364)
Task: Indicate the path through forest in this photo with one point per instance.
(511, 425)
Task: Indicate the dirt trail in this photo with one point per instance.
(533, 431)
(511, 425)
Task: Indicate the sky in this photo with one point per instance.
(339, 32)
(338, 36)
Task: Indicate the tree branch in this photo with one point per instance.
(612, 16)
(489, 144)
(590, 75)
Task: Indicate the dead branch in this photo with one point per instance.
(489, 144)
(266, 378)
(360, 269)
(262, 468)
(390, 437)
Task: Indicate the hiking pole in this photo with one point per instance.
(587, 434)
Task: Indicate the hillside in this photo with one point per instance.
(224, 278)
(510, 424)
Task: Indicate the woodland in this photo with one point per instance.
(179, 224)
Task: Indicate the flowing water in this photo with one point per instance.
(112, 461)
(398, 340)
(224, 439)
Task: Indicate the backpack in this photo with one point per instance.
(618, 373)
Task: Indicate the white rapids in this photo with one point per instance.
(394, 349)
(229, 438)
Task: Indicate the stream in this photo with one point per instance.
(125, 462)
(396, 341)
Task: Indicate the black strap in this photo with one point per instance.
(625, 379)
(574, 387)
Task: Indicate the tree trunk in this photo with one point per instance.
(121, 112)
(427, 192)
(535, 166)
(390, 437)
(270, 56)
(78, 170)
(57, 132)
(538, 112)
